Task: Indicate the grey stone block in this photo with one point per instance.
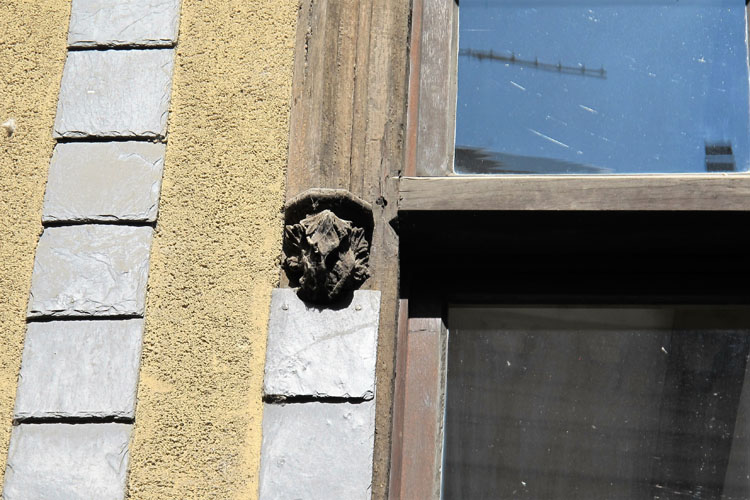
(110, 23)
(67, 462)
(80, 369)
(115, 93)
(90, 270)
(317, 451)
(104, 181)
(326, 351)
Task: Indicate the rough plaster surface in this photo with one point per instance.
(215, 254)
(80, 369)
(104, 181)
(115, 93)
(316, 351)
(314, 451)
(90, 270)
(67, 462)
(32, 53)
(109, 23)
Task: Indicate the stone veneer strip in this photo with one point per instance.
(104, 182)
(90, 270)
(88, 370)
(95, 370)
(117, 94)
(113, 23)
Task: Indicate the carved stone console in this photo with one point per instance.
(320, 385)
(327, 240)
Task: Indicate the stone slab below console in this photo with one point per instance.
(322, 351)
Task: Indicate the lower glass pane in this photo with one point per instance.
(597, 403)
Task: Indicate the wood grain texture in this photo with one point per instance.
(399, 388)
(421, 414)
(347, 131)
(437, 90)
(415, 63)
(646, 192)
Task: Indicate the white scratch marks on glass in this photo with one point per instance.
(550, 139)
(590, 110)
(552, 118)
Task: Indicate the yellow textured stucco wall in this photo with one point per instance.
(32, 53)
(215, 253)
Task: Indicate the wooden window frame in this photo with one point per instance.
(544, 258)
(438, 212)
(430, 141)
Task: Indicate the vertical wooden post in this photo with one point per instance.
(347, 127)
(418, 410)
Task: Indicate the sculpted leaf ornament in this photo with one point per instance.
(326, 256)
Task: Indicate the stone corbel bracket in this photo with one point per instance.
(327, 239)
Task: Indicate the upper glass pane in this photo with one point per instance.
(602, 87)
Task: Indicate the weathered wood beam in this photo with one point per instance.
(347, 126)
(636, 192)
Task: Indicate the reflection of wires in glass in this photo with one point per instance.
(581, 69)
(720, 157)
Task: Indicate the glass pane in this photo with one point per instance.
(605, 86)
(597, 403)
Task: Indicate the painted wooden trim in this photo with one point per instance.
(397, 422)
(437, 89)
(417, 450)
(412, 111)
(687, 192)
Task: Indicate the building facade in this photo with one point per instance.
(176, 175)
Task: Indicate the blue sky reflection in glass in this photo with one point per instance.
(579, 87)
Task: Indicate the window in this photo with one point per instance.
(573, 355)
(644, 240)
(655, 131)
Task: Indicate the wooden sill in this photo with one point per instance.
(684, 192)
